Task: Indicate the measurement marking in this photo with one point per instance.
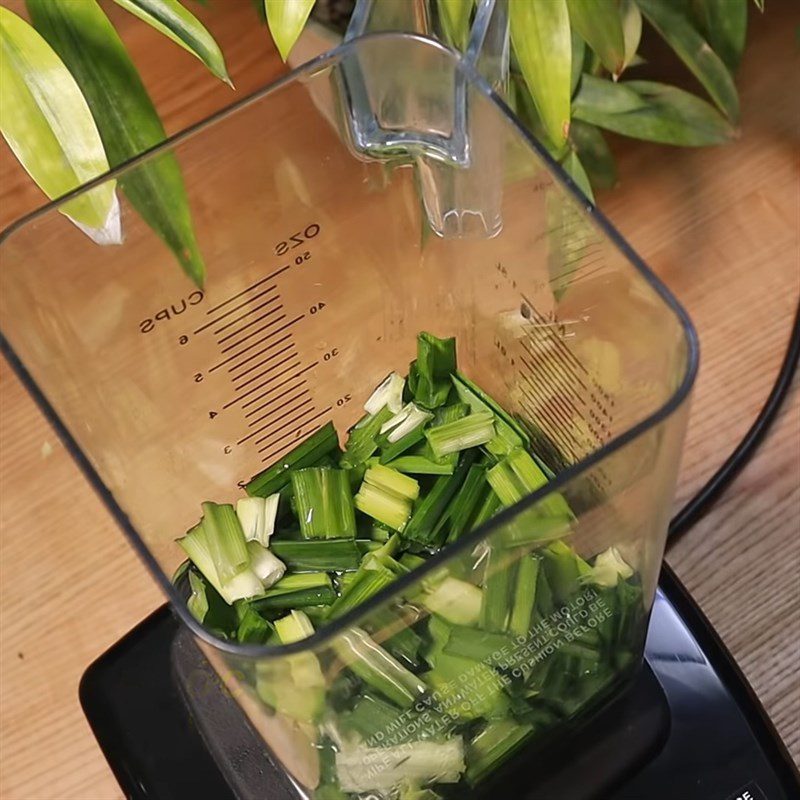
(247, 313)
(286, 349)
(256, 399)
(564, 371)
(253, 333)
(285, 402)
(554, 415)
(546, 401)
(563, 275)
(588, 274)
(559, 343)
(260, 385)
(276, 419)
(548, 394)
(270, 402)
(553, 431)
(286, 424)
(545, 380)
(249, 288)
(298, 428)
(265, 338)
(255, 355)
(236, 308)
(554, 379)
(252, 322)
(267, 371)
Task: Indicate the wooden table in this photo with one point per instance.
(721, 226)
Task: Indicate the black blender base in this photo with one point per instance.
(689, 728)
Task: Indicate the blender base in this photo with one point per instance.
(688, 728)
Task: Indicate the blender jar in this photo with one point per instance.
(325, 258)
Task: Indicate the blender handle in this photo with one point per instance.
(450, 140)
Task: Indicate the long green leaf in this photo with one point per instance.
(578, 55)
(179, 24)
(126, 118)
(600, 24)
(631, 29)
(607, 96)
(573, 167)
(540, 33)
(48, 126)
(286, 20)
(454, 15)
(695, 53)
(670, 116)
(724, 24)
(594, 154)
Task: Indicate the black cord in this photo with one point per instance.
(702, 502)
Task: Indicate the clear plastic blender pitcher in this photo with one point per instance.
(326, 255)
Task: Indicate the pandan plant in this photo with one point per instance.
(72, 104)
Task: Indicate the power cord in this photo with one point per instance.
(702, 502)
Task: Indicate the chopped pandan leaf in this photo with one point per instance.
(324, 503)
(494, 745)
(322, 554)
(608, 568)
(411, 561)
(362, 441)
(267, 567)
(293, 685)
(489, 506)
(376, 667)
(197, 602)
(420, 465)
(472, 430)
(391, 451)
(242, 585)
(564, 568)
(257, 517)
(508, 432)
(455, 600)
(297, 591)
(409, 419)
(524, 596)
(393, 632)
(365, 584)
(518, 475)
(388, 395)
(253, 628)
(498, 586)
(422, 527)
(309, 453)
(294, 627)
(429, 375)
(494, 649)
(386, 495)
(381, 769)
(225, 539)
(466, 504)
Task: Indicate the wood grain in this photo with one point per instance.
(722, 227)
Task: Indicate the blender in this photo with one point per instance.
(381, 189)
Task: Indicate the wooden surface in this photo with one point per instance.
(722, 227)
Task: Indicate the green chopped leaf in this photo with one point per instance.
(429, 374)
(695, 53)
(308, 453)
(197, 602)
(179, 24)
(126, 118)
(49, 127)
(494, 745)
(461, 434)
(600, 24)
(540, 33)
(318, 554)
(324, 503)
